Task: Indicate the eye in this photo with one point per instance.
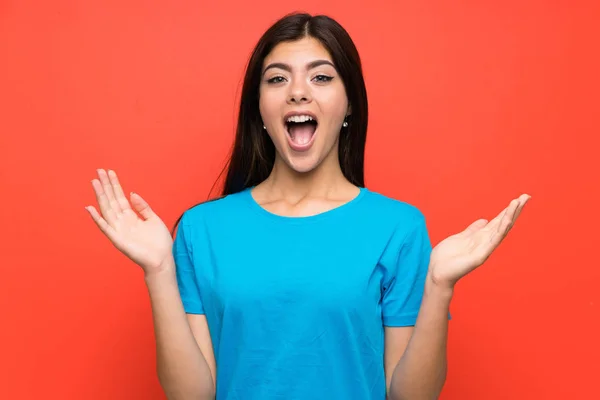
(323, 78)
(276, 79)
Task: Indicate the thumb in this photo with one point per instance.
(141, 206)
(477, 225)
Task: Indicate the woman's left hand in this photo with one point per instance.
(459, 254)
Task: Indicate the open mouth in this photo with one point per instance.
(301, 129)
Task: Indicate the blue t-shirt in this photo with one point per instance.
(296, 306)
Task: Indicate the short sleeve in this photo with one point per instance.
(184, 267)
(405, 263)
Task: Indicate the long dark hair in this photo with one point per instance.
(253, 153)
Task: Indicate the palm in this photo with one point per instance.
(142, 240)
(145, 240)
(459, 254)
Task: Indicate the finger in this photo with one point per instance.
(102, 224)
(523, 200)
(141, 206)
(498, 235)
(508, 218)
(495, 228)
(103, 203)
(108, 190)
(492, 226)
(501, 225)
(118, 190)
(475, 226)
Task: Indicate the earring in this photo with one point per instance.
(345, 124)
(264, 127)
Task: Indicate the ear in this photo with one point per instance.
(349, 112)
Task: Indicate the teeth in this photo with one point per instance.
(300, 118)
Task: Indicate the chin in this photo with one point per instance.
(303, 164)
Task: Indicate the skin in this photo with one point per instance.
(301, 184)
(310, 182)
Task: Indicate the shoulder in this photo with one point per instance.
(215, 209)
(397, 212)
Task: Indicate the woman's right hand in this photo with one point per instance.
(145, 239)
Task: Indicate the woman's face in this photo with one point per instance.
(303, 103)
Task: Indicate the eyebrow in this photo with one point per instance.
(286, 67)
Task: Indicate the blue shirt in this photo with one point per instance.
(296, 306)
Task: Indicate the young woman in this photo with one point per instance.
(298, 283)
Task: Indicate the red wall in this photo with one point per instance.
(472, 103)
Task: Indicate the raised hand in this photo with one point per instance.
(131, 225)
(459, 254)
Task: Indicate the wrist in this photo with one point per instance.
(166, 270)
(439, 287)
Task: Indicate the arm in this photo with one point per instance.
(420, 371)
(416, 357)
(185, 360)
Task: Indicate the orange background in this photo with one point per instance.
(472, 103)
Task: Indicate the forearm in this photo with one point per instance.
(182, 369)
(421, 372)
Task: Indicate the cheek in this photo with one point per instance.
(336, 111)
(336, 104)
(270, 106)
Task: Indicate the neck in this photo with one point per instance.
(326, 179)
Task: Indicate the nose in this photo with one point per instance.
(298, 93)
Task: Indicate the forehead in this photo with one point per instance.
(298, 52)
